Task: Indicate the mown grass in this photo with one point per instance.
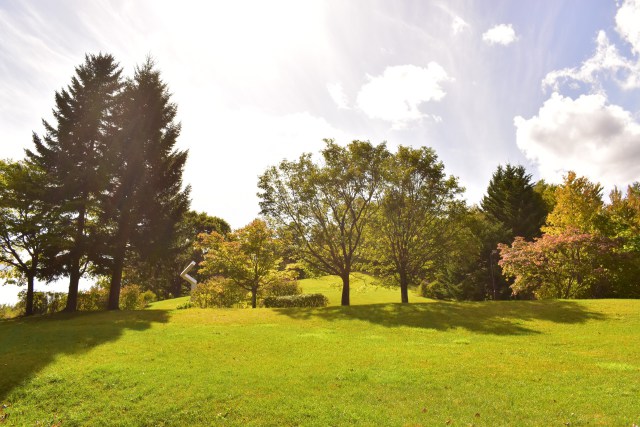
(374, 363)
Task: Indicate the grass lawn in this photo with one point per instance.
(540, 363)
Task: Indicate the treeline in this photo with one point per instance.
(100, 193)
(399, 217)
(101, 190)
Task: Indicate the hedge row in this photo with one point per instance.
(304, 300)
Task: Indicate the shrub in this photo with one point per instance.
(304, 300)
(217, 292)
(283, 288)
(184, 305)
(8, 311)
(93, 299)
(132, 297)
(43, 302)
(434, 289)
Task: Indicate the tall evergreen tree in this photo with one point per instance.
(512, 201)
(512, 204)
(148, 199)
(75, 153)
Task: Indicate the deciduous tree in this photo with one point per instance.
(578, 206)
(27, 227)
(414, 221)
(326, 206)
(570, 264)
(249, 257)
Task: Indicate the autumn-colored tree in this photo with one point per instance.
(578, 206)
(248, 257)
(567, 264)
(623, 216)
(623, 222)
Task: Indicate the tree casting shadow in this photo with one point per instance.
(27, 345)
(496, 317)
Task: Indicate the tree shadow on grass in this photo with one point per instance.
(27, 345)
(495, 317)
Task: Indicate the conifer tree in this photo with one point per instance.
(75, 153)
(512, 201)
(148, 199)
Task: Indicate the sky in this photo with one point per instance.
(551, 85)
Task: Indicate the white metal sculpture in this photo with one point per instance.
(188, 278)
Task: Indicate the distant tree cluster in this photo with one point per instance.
(588, 249)
(399, 217)
(101, 191)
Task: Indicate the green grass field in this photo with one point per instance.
(539, 363)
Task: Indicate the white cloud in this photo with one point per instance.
(628, 23)
(396, 95)
(587, 135)
(458, 25)
(606, 61)
(503, 34)
(337, 94)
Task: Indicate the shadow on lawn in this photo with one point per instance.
(499, 317)
(27, 345)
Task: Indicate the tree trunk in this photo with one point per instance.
(345, 290)
(28, 310)
(74, 280)
(122, 238)
(74, 264)
(116, 282)
(404, 288)
(254, 298)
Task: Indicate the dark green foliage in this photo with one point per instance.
(518, 209)
(76, 154)
(512, 202)
(304, 300)
(28, 228)
(161, 275)
(464, 273)
(147, 200)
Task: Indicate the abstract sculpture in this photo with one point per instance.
(188, 278)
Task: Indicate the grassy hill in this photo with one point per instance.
(374, 363)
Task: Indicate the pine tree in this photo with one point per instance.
(512, 201)
(148, 199)
(75, 153)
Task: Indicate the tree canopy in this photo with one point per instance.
(326, 206)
